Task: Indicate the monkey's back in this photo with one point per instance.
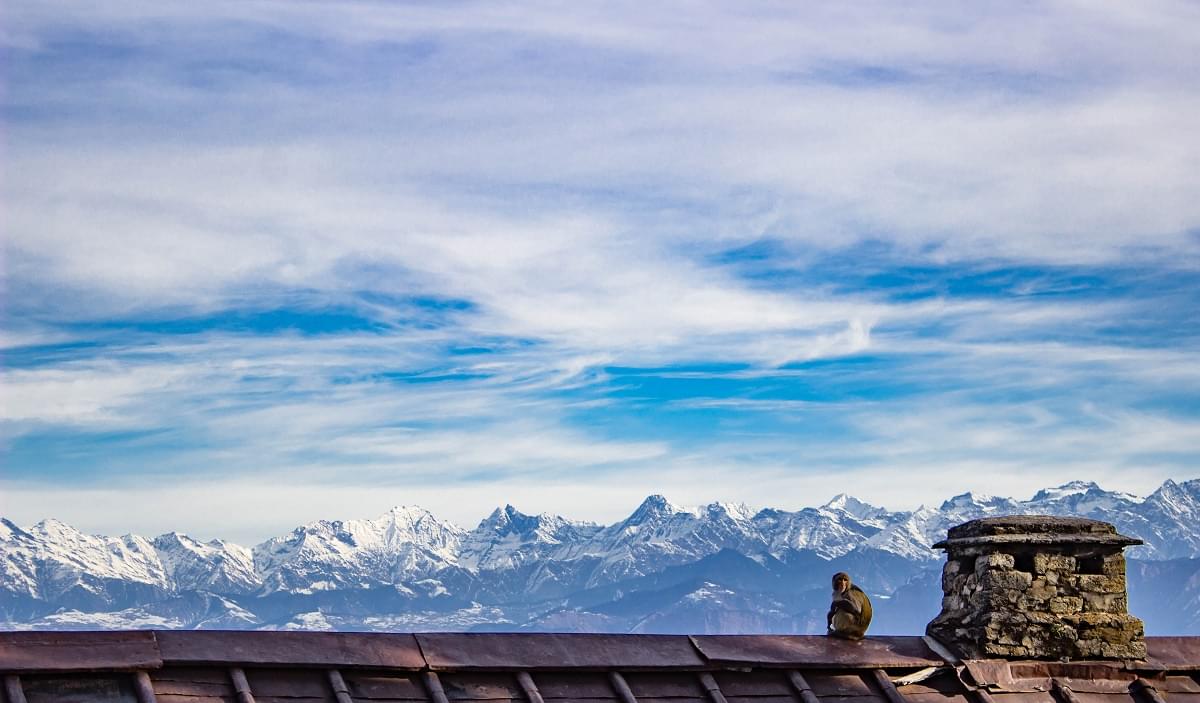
(851, 625)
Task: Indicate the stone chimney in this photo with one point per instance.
(1037, 587)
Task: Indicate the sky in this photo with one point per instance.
(271, 262)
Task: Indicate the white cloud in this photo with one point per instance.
(961, 167)
(576, 176)
(248, 510)
(100, 394)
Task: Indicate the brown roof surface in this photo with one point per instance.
(313, 667)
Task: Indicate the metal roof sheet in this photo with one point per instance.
(816, 651)
(307, 667)
(256, 648)
(466, 651)
(78, 651)
(1173, 653)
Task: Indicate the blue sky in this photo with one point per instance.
(268, 262)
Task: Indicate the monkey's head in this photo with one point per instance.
(841, 582)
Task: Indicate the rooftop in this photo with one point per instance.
(308, 667)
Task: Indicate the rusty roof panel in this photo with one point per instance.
(1029, 685)
(1178, 684)
(816, 651)
(655, 684)
(1092, 697)
(760, 699)
(936, 697)
(77, 651)
(990, 672)
(1095, 677)
(827, 684)
(921, 689)
(1173, 653)
(1073, 671)
(192, 685)
(1114, 686)
(79, 688)
(1101, 680)
(1023, 697)
(256, 648)
(290, 683)
(374, 686)
(192, 689)
(480, 686)
(172, 698)
(856, 699)
(760, 682)
(202, 674)
(557, 651)
(574, 685)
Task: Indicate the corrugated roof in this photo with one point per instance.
(313, 667)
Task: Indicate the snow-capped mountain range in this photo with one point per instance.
(718, 568)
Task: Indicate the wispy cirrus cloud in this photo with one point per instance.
(702, 250)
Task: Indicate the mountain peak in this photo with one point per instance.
(515, 561)
(52, 526)
(509, 520)
(172, 537)
(408, 512)
(1170, 487)
(1184, 495)
(497, 516)
(962, 500)
(654, 505)
(737, 511)
(1067, 489)
(852, 506)
(9, 529)
(657, 500)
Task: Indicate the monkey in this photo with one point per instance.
(850, 612)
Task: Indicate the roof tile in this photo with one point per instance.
(393, 651)
(464, 651)
(816, 651)
(70, 651)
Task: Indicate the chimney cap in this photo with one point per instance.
(1035, 530)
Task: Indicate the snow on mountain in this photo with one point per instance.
(829, 533)
(217, 566)
(8, 530)
(197, 611)
(509, 539)
(18, 567)
(980, 506)
(1060, 492)
(129, 619)
(1168, 519)
(415, 566)
(913, 535)
(1084, 498)
(54, 564)
(404, 543)
(854, 507)
(69, 559)
(660, 533)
